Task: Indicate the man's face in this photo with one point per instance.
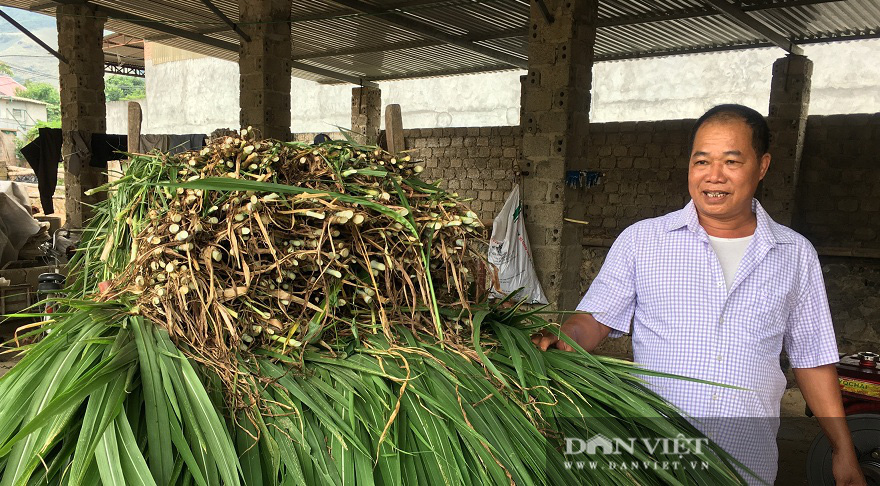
(724, 170)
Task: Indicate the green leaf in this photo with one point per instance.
(107, 458)
(155, 402)
(134, 466)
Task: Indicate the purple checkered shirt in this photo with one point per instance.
(663, 276)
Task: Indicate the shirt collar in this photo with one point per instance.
(767, 229)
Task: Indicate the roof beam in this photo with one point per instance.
(678, 52)
(226, 20)
(746, 21)
(414, 25)
(32, 36)
(212, 30)
(391, 7)
(645, 18)
(348, 51)
(446, 72)
(698, 12)
(396, 46)
(210, 41)
(348, 78)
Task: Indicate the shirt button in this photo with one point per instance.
(720, 284)
(719, 357)
(721, 320)
(715, 396)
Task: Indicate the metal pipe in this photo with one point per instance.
(32, 36)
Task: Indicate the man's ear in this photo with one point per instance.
(765, 164)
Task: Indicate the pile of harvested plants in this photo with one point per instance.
(282, 313)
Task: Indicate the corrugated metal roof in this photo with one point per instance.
(393, 39)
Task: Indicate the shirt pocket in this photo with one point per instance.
(765, 316)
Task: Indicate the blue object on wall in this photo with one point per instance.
(580, 179)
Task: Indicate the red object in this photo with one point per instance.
(103, 286)
(9, 86)
(859, 380)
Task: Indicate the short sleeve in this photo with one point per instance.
(809, 335)
(611, 297)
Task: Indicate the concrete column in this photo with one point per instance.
(556, 125)
(789, 106)
(366, 114)
(83, 111)
(264, 67)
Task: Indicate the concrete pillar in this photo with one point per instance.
(556, 124)
(366, 114)
(789, 106)
(264, 67)
(83, 110)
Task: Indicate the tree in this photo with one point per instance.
(46, 93)
(5, 69)
(118, 88)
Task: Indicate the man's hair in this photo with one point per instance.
(731, 112)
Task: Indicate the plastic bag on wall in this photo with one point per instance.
(510, 255)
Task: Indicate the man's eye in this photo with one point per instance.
(700, 162)
(731, 162)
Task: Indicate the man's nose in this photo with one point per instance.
(716, 173)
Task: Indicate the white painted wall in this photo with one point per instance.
(117, 116)
(200, 95)
(191, 96)
(21, 121)
(846, 79)
(474, 100)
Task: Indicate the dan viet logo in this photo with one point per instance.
(600, 452)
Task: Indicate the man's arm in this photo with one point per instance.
(821, 391)
(583, 329)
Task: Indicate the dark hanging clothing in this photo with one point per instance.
(107, 147)
(183, 143)
(154, 142)
(44, 155)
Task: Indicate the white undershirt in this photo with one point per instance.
(730, 252)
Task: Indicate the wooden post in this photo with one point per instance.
(394, 129)
(135, 117)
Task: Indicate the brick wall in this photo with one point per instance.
(645, 175)
(475, 162)
(838, 205)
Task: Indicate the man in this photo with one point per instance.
(716, 291)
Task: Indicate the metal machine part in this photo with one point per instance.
(48, 286)
(859, 377)
(865, 430)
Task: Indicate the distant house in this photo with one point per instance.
(9, 86)
(18, 115)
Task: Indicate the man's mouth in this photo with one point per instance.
(716, 194)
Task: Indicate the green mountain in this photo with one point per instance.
(28, 60)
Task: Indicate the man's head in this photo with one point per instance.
(727, 161)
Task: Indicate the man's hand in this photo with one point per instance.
(821, 391)
(846, 470)
(583, 329)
